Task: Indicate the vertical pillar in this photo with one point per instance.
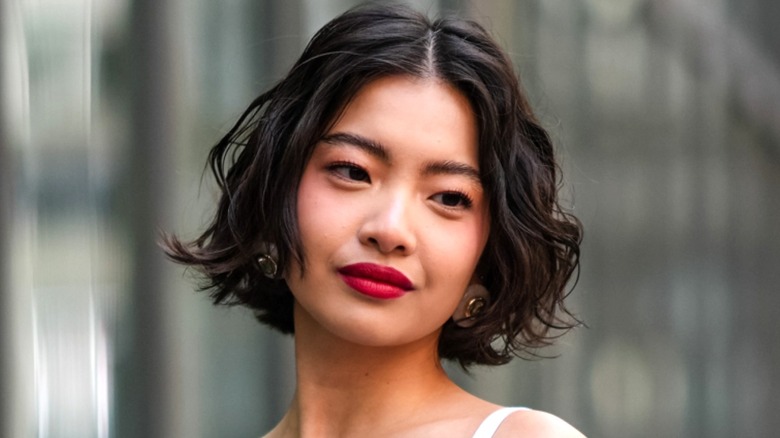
(143, 402)
(5, 223)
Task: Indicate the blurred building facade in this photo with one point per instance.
(667, 114)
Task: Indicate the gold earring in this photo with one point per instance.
(474, 301)
(267, 265)
(267, 260)
(475, 306)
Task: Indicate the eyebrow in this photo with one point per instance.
(375, 148)
(450, 167)
(372, 147)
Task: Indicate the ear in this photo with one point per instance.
(473, 302)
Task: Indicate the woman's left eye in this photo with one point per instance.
(453, 200)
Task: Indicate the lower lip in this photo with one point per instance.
(372, 288)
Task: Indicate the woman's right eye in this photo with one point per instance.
(349, 171)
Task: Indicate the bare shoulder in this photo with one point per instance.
(536, 424)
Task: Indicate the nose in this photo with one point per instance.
(388, 226)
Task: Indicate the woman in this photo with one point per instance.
(392, 202)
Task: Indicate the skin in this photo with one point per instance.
(394, 182)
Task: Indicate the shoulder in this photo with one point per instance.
(536, 424)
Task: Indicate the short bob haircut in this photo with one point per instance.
(533, 246)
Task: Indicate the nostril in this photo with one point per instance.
(385, 248)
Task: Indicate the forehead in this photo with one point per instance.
(426, 114)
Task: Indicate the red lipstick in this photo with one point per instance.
(376, 281)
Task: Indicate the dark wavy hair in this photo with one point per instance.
(533, 246)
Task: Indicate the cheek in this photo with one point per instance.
(324, 223)
(307, 202)
(307, 206)
(457, 252)
(312, 211)
(320, 217)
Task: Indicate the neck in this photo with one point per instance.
(348, 389)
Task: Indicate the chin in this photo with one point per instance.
(374, 335)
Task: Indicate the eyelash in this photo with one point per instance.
(465, 200)
(337, 167)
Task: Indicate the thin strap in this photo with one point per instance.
(493, 421)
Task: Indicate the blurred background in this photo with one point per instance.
(667, 116)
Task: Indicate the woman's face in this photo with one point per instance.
(391, 214)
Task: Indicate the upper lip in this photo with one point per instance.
(379, 273)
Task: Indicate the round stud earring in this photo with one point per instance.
(474, 306)
(474, 301)
(267, 260)
(267, 265)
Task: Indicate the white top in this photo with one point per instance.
(491, 423)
